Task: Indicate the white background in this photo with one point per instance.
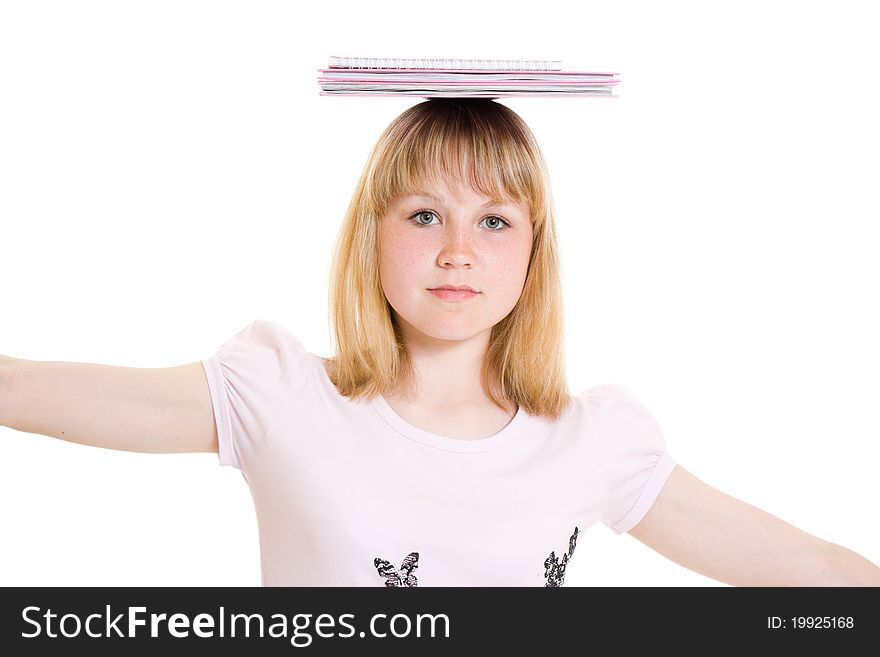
(169, 173)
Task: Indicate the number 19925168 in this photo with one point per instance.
(810, 622)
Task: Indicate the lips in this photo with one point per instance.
(449, 293)
(453, 288)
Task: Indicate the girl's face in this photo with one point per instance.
(454, 237)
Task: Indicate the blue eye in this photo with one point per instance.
(500, 224)
(414, 216)
(424, 211)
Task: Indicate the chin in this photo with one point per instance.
(452, 333)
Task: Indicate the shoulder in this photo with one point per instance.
(633, 451)
(264, 351)
(264, 334)
(268, 331)
(621, 422)
(589, 405)
(608, 397)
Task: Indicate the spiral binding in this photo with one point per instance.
(446, 63)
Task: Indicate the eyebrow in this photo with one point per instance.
(440, 200)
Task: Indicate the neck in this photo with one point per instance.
(445, 372)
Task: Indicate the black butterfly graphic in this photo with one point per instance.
(554, 570)
(402, 578)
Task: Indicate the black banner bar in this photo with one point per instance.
(435, 620)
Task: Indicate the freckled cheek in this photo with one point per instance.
(410, 255)
(506, 268)
(405, 266)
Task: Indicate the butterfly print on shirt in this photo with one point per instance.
(554, 570)
(404, 576)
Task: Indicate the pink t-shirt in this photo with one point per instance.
(347, 493)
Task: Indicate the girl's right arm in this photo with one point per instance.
(126, 408)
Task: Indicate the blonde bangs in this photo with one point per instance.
(475, 145)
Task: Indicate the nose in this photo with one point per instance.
(457, 248)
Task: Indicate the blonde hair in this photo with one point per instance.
(469, 141)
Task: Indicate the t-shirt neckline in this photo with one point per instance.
(381, 406)
(444, 442)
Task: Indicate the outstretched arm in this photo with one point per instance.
(721, 537)
(163, 410)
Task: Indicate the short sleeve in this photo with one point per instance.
(250, 378)
(636, 459)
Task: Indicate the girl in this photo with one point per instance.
(440, 446)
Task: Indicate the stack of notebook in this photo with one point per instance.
(459, 78)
